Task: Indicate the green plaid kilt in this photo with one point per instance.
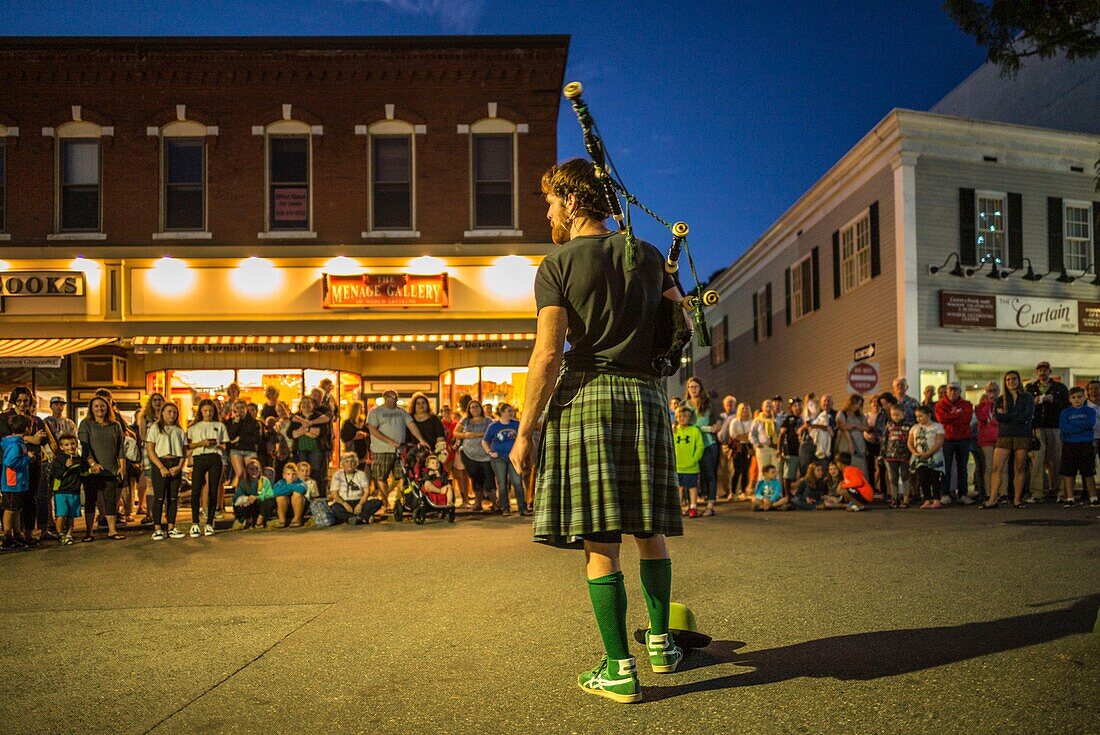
(606, 461)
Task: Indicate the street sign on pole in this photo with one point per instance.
(865, 352)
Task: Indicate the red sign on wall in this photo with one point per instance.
(384, 290)
(862, 377)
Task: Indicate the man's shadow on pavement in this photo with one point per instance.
(864, 656)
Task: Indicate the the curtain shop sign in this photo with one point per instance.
(42, 283)
(1019, 313)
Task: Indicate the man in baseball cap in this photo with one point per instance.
(1051, 397)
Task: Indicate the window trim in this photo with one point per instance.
(4, 182)
(719, 350)
(288, 129)
(807, 261)
(59, 189)
(853, 223)
(1087, 206)
(760, 300)
(163, 223)
(499, 127)
(391, 129)
(980, 194)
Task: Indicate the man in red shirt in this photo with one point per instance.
(854, 486)
(955, 412)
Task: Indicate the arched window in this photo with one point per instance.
(288, 179)
(493, 176)
(392, 176)
(183, 177)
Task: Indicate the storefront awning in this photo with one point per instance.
(49, 347)
(336, 339)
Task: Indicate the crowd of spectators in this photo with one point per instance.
(272, 465)
(266, 465)
(890, 448)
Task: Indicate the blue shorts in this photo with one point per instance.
(66, 505)
(688, 480)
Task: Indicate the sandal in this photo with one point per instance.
(988, 506)
(708, 512)
(1020, 506)
(87, 539)
(903, 504)
(117, 537)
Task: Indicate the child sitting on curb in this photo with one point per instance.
(769, 491)
(854, 487)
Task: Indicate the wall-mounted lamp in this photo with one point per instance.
(1031, 275)
(956, 271)
(995, 272)
(1065, 277)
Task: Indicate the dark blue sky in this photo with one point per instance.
(718, 113)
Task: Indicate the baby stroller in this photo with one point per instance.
(419, 466)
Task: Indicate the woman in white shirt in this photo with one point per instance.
(166, 449)
(207, 439)
(347, 493)
(734, 435)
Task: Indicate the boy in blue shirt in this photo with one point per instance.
(1075, 424)
(15, 482)
(66, 470)
(769, 491)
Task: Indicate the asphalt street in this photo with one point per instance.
(953, 621)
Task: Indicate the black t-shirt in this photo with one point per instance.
(790, 437)
(611, 310)
(431, 429)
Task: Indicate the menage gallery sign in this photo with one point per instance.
(384, 290)
(1019, 313)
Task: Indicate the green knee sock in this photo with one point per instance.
(657, 588)
(608, 595)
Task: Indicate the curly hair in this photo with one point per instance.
(577, 176)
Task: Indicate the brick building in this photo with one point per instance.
(181, 213)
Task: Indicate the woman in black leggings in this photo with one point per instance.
(207, 439)
(166, 446)
(101, 443)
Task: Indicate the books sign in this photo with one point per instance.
(384, 290)
(42, 283)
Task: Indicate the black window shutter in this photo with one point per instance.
(1054, 234)
(816, 279)
(1096, 238)
(836, 264)
(725, 346)
(876, 261)
(755, 318)
(1015, 231)
(968, 253)
(787, 279)
(768, 307)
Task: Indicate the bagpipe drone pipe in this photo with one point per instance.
(672, 331)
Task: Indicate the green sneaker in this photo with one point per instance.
(664, 654)
(616, 679)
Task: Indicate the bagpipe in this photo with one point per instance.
(672, 330)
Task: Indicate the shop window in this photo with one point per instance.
(79, 160)
(1076, 235)
(855, 253)
(990, 213)
(391, 182)
(184, 194)
(288, 176)
(933, 378)
(253, 383)
(491, 384)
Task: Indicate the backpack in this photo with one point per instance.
(322, 514)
